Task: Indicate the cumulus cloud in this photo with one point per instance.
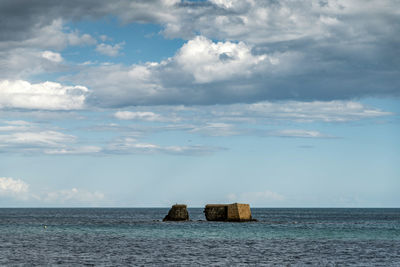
(30, 54)
(22, 63)
(109, 50)
(201, 72)
(18, 189)
(264, 50)
(208, 61)
(49, 55)
(207, 72)
(304, 50)
(34, 53)
(52, 35)
(14, 187)
(47, 95)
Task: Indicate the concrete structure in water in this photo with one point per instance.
(235, 212)
(178, 212)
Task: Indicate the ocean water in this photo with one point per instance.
(126, 237)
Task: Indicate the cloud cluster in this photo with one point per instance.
(205, 72)
(109, 50)
(27, 138)
(201, 72)
(47, 95)
(28, 53)
(323, 111)
(18, 189)
(13, 187)
(30, 138)
(236, 51)
(221, 118)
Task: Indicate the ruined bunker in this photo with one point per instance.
(235, 212)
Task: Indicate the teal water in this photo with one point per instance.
(360, 237)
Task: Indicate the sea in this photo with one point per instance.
(138, 237)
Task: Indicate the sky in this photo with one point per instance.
(150, 103)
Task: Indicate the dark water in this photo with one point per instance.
(109, 237)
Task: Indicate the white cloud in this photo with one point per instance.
(192, 76)
(216, 129)
(47, 95)
(329, 111)
(208, 61)
(18, 189)
(144, 116)
(259, 21)
(52, 56)
(34, 52)
(138, 115)
(82, 150)
(299, 133)
(75, 38)
(128, 145)
(19, 123)
(270, 50)
(15, 126)
(27, 138)
(109, 50)
(36, 139)
(10, 186)
(30, 138)
(21, 63)
(73, 196)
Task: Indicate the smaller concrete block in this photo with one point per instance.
(178, 212)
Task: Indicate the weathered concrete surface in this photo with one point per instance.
(239, 212)
(178, 212)
(216, 212)
(235, 212)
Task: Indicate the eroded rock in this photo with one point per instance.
(178, 212)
